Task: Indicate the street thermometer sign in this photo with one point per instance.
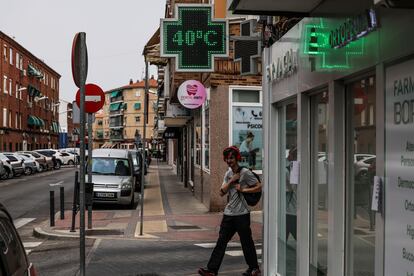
(194, 38)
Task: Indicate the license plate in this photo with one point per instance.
(106, 195)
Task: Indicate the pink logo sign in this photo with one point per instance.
(191, 94)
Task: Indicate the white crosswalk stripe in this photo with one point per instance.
(29, 246)
(18, 223)
(233, 248)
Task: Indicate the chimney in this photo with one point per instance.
(131, 81)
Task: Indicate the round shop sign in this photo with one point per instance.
(191, 94)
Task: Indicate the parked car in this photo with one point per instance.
(45, 162)
(57, 162)
(31, 166)
(113, 176)
(8, 169)
(68, 158)
(2, 169)
(137, 163)
(13, 257)
(16, 162)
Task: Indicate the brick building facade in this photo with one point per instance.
(29, 99)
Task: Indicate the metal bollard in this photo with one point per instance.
(52, 208)
(62, 202)
(75, 202)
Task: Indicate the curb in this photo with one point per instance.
(38, 232)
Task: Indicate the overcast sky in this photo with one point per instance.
(116, 32)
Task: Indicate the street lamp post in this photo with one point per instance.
(143, 147)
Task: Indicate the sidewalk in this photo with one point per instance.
(171, 213)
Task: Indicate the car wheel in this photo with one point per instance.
(28, 171)
(58, 165)
(5, 175)
(71, 163)
(40, 169)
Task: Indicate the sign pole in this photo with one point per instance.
(82, 58)
(143, 147)
(90, 121)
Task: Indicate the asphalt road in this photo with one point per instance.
(28, 196)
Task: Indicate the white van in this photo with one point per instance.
(113, 176)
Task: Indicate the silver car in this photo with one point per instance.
(113, 176)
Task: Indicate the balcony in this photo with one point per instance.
(116, 137)
(117, 99)
(116, 122)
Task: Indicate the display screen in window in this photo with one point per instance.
(248, 135)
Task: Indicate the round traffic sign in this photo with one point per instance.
(94, 98)
(78, 41)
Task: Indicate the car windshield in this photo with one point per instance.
(110, 166)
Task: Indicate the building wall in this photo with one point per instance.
(132, 96)
(14, 129)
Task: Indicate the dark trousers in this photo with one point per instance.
(229, 226)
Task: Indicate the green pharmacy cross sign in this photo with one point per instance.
(195, 38)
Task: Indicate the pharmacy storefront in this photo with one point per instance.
(339, 133)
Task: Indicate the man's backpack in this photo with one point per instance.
(252, 198)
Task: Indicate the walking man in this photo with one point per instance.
(236, 217)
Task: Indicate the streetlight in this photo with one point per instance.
(41, 98)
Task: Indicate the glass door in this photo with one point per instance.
(319, 185)
(287, 217)
(361, 156)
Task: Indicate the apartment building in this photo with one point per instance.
(29, 99)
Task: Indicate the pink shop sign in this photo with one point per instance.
(191, 94)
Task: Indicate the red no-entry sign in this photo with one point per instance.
(94, 98)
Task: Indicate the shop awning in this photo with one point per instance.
(299, 7)
(32, 121)
(115, 106)
(41, 122)
(137, 106)
(116, 93)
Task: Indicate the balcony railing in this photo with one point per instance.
(117, 99)
(116, 137)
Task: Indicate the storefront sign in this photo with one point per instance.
(282, 66)
(191, 94)
(194, 38)
(399, 219)
(247, 134)
(352, 29)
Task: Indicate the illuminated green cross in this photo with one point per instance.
(195, 38)
(317, 44)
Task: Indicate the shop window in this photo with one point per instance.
(246, 125)
(360, 219)
(206, 132)
(319, 207)
(288, 196)
(198, 141)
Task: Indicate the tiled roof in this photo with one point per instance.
(153, 83)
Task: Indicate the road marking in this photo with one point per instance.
(22, 222)
(31, 244)
(230, 244)
(237, 253)
(56, 184)
(233, 253)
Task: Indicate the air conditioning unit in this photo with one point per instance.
(398, 4)
(30, 105)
